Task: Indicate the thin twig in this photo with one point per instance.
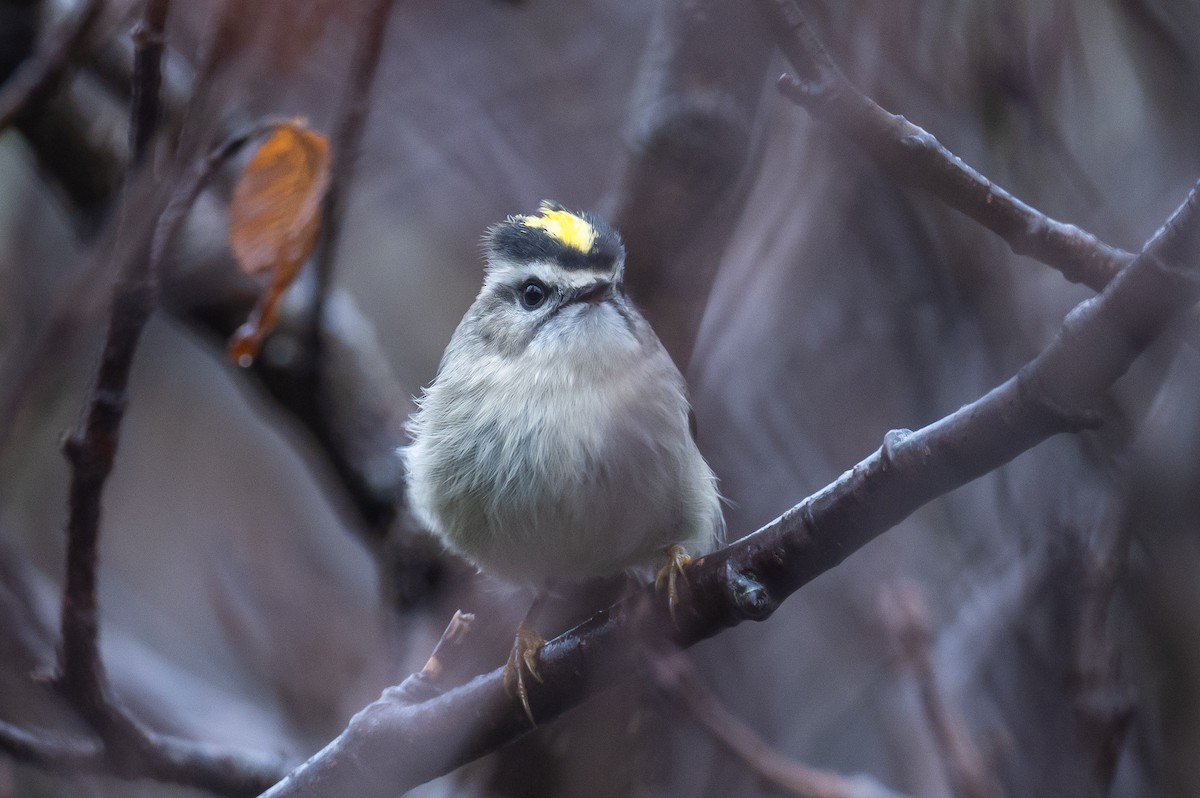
(52, 751)
(347, 138)
(92, 447)
(345, 419)
(432, 678)
(171, 220)
(395, 743)
(677, 677)
(39, 76)
(130, 749)
(359, 425)
(1102, 702)
(145, 109)
(915, 157)
(907, 619)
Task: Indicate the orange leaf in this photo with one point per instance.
(274, 219)
(275, 213)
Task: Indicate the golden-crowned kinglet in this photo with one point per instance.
(554, 443)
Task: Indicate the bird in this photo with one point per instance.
(554, 444)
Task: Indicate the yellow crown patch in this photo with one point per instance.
(564, 227)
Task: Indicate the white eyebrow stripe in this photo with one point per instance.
(506, 272)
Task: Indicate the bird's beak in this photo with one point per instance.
(595, 293)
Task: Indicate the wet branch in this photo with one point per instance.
(128, 749)
(123, 746)
(399, 744)
(916, 158)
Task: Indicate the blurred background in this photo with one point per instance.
(257, 585)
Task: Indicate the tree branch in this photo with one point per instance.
(128, 749)
(357, 429)
(347, 138)
(144, 754)
(1103, 703)
(677, 677)
(148, 39)
(92, 448)
(38, 77)
(916, 158)
(52, 751)
(694, 136)
(350, 411)
(907, 618)
(399, 744)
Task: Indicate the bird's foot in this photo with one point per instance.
(522, 660)
(671, 574)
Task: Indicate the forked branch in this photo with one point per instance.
(124, 746)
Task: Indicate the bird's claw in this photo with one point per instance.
(521, 660)
(669, 575)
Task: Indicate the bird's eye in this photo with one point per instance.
(533, 293)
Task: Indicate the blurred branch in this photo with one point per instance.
(52, 751)
(914, 157)
(347, 138)
(148, 41)
(693, 138)
(129, 749)
(73, 144)
(323, 365)
(396, 743)
(92, 448)
(39, 76)
(340, 386)
(1102, 703)
(147, 755)
(64, 129)
(19, 22)
(359, 425)
(677, 677)
(907, 618)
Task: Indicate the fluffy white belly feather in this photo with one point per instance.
(542, 474)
